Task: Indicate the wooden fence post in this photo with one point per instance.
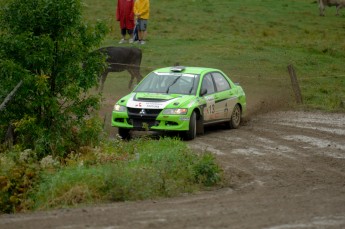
(295, 85)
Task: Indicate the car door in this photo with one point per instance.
(224, 99)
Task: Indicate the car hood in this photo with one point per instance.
(156, 100)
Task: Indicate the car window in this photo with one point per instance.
(221, 83)
(207, 83)
(152, 83)
(170, 83)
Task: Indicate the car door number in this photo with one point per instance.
(226, 110)
(211, 109)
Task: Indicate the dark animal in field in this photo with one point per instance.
(120, 59)
(337, 3)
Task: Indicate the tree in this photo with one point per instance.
(45, 44)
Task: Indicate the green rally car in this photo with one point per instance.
(182, 99)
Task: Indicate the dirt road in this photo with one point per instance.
(283, 170)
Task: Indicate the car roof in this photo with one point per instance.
(185, 69)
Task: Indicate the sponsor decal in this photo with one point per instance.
(154, 105)
(148, 105)
(183, 118)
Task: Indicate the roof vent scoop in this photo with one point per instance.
(177, 68)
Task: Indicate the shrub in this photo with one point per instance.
(137, 170)
(207, 171)
(116, 171)
(18, 175)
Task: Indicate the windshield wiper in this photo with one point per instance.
(173, 83)
(191, 89)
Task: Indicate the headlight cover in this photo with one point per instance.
(120, 108)
(177, 111)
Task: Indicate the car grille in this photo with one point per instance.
(143, 118)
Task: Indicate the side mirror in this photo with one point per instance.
(203, 91)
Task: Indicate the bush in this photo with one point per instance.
(19, 174)
(116, 171)
(207, 171)
(140, 169)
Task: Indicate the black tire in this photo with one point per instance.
(191, 133)
(124, 133)
(235, 120)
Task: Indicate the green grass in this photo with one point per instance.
(140, 169)
(115, 171)
(251, 40)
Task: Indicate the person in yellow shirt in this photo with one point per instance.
(142, 13)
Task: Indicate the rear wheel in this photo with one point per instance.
(124, 133)
(235, 120)
(191, 133)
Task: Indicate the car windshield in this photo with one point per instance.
(169, 83)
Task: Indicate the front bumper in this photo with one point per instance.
(151, 120)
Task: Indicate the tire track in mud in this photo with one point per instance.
(282, 146)
(270, 134)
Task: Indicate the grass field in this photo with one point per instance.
(253, 41)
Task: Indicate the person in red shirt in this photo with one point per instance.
(125, 15)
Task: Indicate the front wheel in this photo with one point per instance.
(191, 133)
(235, 120)
(124, 133)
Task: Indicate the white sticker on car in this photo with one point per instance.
(184, 118)
(148, 105)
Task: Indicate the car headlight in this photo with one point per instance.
(177, 111)
(120, 108)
